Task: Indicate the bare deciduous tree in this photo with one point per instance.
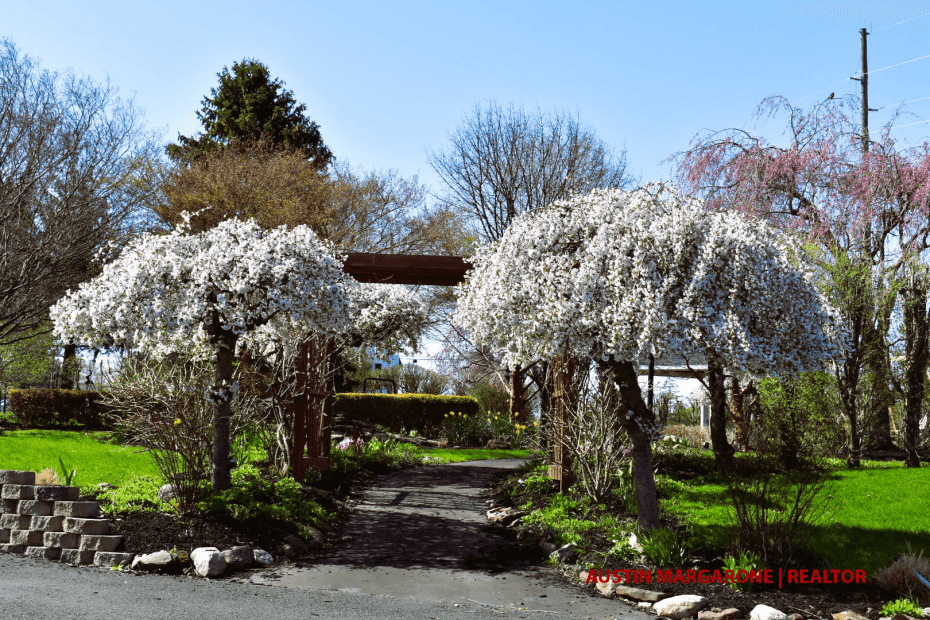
(74, 171)
(503, 161)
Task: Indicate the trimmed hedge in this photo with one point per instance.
(46, 407)
(421, 412)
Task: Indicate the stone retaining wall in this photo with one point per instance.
(49, 522)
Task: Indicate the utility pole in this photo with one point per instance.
(863, 80)
(865, 91)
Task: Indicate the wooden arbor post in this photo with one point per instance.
(314, 395)
(561, 376)
(518, 409)
(315, 390)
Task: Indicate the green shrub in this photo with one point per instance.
(623, 551)
(159, 404)
(774, 514)
(664, 547)
(421, 412)
(902, 606)
(464, 430)
(375, 455)
(802, 419)
(137, 493)
(254, 496)
(491, 396)
(747, 561)
(46, 407)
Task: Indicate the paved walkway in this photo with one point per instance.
(422, 533)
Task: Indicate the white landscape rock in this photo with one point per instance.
(208, 561)
(679, 607)
(152, 562)
(262, 557)
(764, 612)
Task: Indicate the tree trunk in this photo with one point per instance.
(225, 343)
(69, 367)
(878, 363)
(647, 501)
(642, 429)
(915, 328)
(540, 376)
(518, 410)
(740, 412)
(723, 451)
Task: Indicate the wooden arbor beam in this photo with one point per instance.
(407, 268)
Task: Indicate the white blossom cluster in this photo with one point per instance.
(616, 274)
(388, 316)
(163, 291)
(222, 393)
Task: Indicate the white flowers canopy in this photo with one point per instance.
(615, 276)
(205, 292)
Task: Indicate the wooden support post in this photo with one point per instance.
(562, 374)
(300, 406)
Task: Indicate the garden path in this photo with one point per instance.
(422, 533)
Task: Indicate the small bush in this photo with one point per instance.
(137, 493)
(665, 547)
(375, 455)
(774, 513)
(902, 606)
(747, 561)
(256, 496)
(623, 551)
(899, 578)
(464, 430)
(161, 406)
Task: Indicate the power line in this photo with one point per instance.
(899, 23)
(910, 124)
(896, 65)
(904, 103)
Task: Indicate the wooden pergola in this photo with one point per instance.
(407, 269)
(314, 398)
(315, 392)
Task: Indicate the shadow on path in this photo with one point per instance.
(423, 533)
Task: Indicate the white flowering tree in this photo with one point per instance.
(204, 292)
(384, 316)
(615, 276)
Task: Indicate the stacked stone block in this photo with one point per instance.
(49, 522)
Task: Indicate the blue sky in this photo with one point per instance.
(387, 81)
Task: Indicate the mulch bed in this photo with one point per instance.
(810, 600)
(146, 532)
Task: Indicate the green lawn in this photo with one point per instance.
(458, 455)
(95, 459)
(882, 507)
